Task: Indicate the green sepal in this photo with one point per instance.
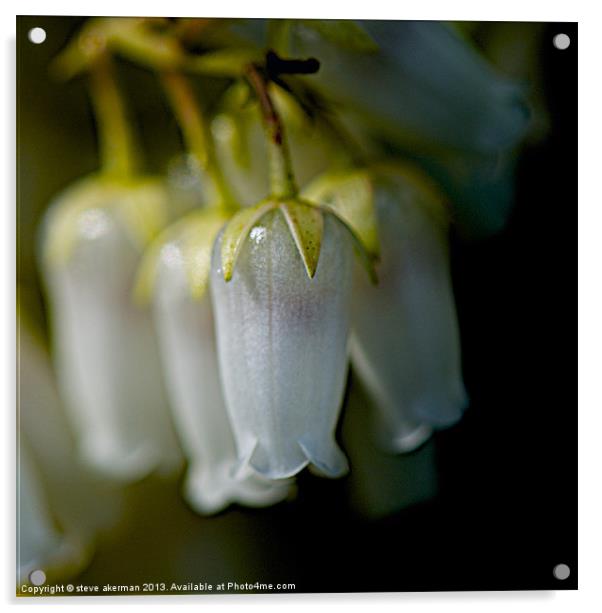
(343, 33)
(350, 194)
(306, 225)
(236, 232)
(195, 234)
(305, 222)
(139, 203)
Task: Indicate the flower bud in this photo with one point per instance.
(282, 325)
(104, 347)
(184, 322)
(405, 343)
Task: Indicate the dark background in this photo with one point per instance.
(505, 511)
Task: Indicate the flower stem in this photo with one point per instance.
(197, 134)
(116, 141)
(282, 181)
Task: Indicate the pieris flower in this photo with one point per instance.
(83, 503)
(105, 349)
(176, 270)
(405, 343)
(282, 320)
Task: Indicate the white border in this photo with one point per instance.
(512, 10)
(588, 597)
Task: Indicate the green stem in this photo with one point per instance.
(116, 141)
(197, 134)
(282, 180)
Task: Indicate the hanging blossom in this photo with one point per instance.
(176, 272)
(405, 344)
(282, 324)
(104, 347)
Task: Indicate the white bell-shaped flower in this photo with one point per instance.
(282, 337)
(83, 502)
(184, 322)
(104, 346)
(405, 343)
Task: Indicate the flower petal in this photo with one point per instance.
(105, 349)
(282, 345)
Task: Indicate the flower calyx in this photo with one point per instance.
(305, 222)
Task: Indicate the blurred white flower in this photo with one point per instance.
(423, 86)
(405, 343)
(282, 346)
(105, 350)
(184, 321)
(82, 502)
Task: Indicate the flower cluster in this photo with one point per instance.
(224, 335)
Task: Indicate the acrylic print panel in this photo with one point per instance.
(296, 306)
